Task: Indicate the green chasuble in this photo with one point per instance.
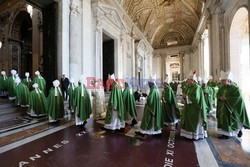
(22, 94)
(174, 86)
(55, 105)
(71, 94)
(208, 95)
(82, 104)
(184, 86)
(38, 103)
(219, 85)
(129, 102)
(41, 83)
(28, 83)
(3, 83)
(211, 84)
(194, 106)
(170, 108)
(231, 111)
(11, 86)
(152, 116)
(116, 103)
(214, 87)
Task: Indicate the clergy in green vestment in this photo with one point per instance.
(231, 110)
(129, 103)
(174, 86)
(40, 81)
(55, 103)
(208, 95)
(152, 121)
(27, 81)
(194, 120)
(71, 94)
(212, 84)
(184, 86)
(3, 84)
(11, 85)
(38, 104)
(82, 103)
(22, 93)
(115, 116)
(170, 110)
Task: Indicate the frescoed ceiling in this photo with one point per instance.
(165, 23)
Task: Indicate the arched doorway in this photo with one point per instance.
(20, 42)
(24, 21)
(239, 52)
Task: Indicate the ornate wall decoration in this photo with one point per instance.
(75, 7)
(157, 18)
(114, 17)
(15, 52)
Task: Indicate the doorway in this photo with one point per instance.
(108, 57)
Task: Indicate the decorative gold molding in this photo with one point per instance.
(156, 19)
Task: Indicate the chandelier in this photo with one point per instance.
(165, 3)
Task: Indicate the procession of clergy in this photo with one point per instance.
(198, 98)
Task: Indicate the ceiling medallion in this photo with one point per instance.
(166, 3)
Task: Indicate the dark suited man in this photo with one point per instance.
(64, 85)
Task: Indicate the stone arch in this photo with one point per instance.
(239, 51)
(20, 39)
(13, 16)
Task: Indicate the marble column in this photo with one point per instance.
(35, 41)
(133, 56)
(223, 60)
(123, 64)
(145, 62)
(98, 49)
(63, 38)
(201, 53)
(163, 61)
(215, 45)
(87, 38)
(150, 62)
(149, 59)
(75, 58)
(181, 66)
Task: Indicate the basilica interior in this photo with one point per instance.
(127, 38)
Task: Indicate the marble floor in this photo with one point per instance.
(64, 144)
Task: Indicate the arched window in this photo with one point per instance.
(239, 52)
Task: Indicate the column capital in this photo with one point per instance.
(75, 8)
(98, 25)
(221, 20)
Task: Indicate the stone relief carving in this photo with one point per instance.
(39, 18)
(221, 20)
(114, 17)
(75, 7)
(128, 50)
(98, 24)
(142, 45)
